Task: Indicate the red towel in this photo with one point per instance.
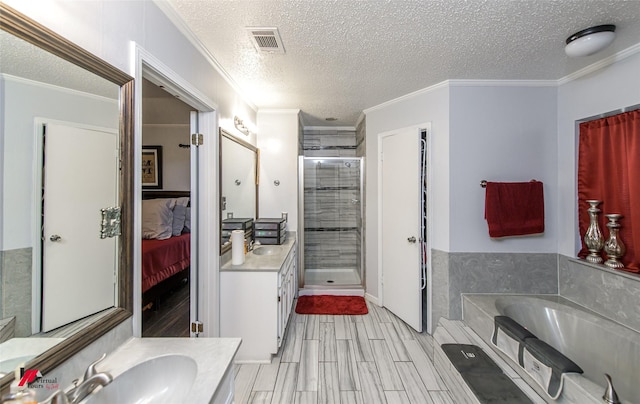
(514, 208)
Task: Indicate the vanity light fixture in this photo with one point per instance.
(239, 124)
(590, 40)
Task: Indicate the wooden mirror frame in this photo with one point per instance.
(21, 26)
(224, 134)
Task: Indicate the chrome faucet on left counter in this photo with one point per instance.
(81, 389)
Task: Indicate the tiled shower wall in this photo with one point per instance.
(332, 219)
(361, 132)
(329, 143)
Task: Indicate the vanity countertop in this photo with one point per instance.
(213, 356)
(253, 262)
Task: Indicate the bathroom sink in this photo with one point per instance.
(164, 379)
(267, 250)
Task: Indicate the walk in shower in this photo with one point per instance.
(330, 198)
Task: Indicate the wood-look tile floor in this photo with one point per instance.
(171, 319)
(370, 359)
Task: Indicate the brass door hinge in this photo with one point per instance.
(197, 139)
(197, 327)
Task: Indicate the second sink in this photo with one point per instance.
(267, 250)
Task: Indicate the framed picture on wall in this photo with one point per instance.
(152, 167)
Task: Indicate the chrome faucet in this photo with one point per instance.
(610, 395)
(85, 388)
(90, 381)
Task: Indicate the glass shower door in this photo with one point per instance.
(332, 221)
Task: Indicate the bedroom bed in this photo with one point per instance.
(166, 244)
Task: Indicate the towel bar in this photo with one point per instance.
(483, 183)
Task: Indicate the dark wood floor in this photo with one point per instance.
(170, 317)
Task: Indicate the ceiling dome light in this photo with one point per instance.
(590, 40)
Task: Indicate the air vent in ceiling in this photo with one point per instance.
(266, 39)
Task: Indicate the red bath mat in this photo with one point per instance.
(334, 305)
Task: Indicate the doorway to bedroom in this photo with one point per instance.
(166, 213)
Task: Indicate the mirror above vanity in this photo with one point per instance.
(51, 88)
(239, 167)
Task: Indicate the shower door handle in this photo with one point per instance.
(354, 201)
(411, 239)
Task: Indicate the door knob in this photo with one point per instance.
(55, 238)
(411, 239)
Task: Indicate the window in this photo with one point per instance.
(609, 171)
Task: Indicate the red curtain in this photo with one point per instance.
(609, 171)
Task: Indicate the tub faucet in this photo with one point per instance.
(610, 395)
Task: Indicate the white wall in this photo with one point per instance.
(480, 130)
(176, 166)
(23, 102)
(427, 106)
(107, 28)
(500, 132)
(278, 144)
(608, 89)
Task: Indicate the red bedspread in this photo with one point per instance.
(163, 258)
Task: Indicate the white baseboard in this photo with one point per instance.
(330, 291)
(373, 299)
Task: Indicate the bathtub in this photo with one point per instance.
(597, 344)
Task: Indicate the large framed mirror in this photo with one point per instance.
(52, 89)
(239, 168)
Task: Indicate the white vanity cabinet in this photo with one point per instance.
(256, 300)
(287, 288)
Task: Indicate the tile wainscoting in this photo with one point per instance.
(15, 288)
(613, 294)
(458, 273)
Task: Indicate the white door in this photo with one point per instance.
(400, 224)
(80, 178)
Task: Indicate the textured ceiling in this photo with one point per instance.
(343, 56)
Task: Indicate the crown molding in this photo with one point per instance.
(503, 83)
(407, 96)
(616, 57)
(71, 91)
(179, 23)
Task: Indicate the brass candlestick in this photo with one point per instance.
(614, 247)
(593, 238)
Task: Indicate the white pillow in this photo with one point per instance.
(182, 201)
(157, 218)
(179, 216)
(187, 221)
